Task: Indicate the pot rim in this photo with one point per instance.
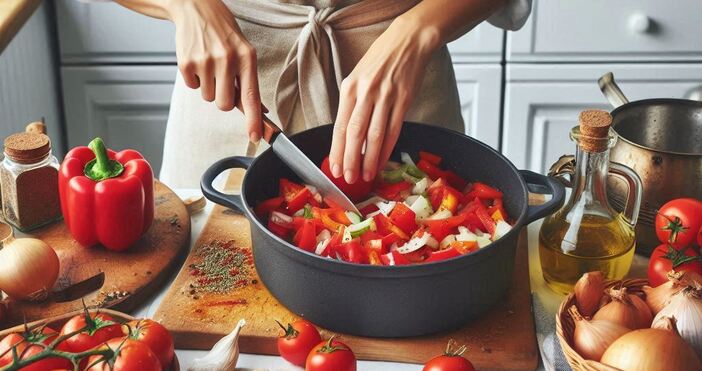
(644, 102)
(410, 270)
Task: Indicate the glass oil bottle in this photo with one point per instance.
(586, 234)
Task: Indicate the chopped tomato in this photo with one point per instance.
(269, 205)
(306, 238)
(430, 158)
(483, 191)
(351, 251)
(441, 228)
(394, 191)
(404, 218)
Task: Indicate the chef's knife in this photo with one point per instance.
(79, 289)
(303, 166)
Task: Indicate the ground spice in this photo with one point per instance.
(29, 177)
(222, 267)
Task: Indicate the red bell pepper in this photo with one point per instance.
(296, 195)
(305, 237)
(483, 191)
(441, 228)
(386, 226)
(269, 205)
(351, 251)
(404, 218)
(430, 158)
(106, 197)
(393, 191)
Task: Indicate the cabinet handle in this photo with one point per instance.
(639, 23)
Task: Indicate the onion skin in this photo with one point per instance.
(588, 292)
(651, 349)
(659, 296)
(625, 309)
(685, 308)
(592, 338)
(28, 268)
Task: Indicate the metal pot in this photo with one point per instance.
(661, 139)
(381, 301)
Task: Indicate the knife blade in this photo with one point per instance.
(301, 165)
(79, 289)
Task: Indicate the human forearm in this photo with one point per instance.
(438, 22)
(151, 8)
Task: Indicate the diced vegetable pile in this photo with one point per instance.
(413, 213)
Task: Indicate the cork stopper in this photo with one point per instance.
(27, 148)
(594, 130)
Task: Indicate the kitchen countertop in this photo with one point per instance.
(546, 303)
(13, 15)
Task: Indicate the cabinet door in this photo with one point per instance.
(479, 89)
(99, 32)
(127, 106)
(482, 44)
(542, 102)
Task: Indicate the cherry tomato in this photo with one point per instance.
(666, 258)
(99, 328)
(155, 336)
(130, 355)
(451, 360)
(26, 347)
(297, 341)
(356, 191)
(678, 222)
(331, 355)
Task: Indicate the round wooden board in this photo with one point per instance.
(131, 276)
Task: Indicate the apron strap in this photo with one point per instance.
(315, 56)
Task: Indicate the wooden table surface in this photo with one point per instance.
(13, 15)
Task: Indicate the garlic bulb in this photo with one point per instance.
(685, 308)
(588, 292)
(224, 354)
(591, 338)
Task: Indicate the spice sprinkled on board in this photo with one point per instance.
(222, 267)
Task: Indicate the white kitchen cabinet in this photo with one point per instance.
(105, 32)
(480, 90)
(542, 102)
(482, 44)
(127, 106)
(608, 31)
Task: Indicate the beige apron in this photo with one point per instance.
(304, 51)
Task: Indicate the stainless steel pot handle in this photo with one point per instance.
(231, 201)
(635, 191)
(611, 90)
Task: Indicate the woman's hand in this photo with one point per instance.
(214, 55)
(375, 97)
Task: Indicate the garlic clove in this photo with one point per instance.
(685, 308)
(224, 354)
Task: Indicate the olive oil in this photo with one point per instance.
(586, 234)
(604, 244)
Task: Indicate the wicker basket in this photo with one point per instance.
(58, 321)
(565, 326)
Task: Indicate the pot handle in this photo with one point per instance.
(611, 90)
(231, 201)
(550, 184)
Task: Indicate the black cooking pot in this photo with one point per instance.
(381, 301)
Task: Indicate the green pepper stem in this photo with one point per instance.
(101, 167)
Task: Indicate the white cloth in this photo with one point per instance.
(304, 51)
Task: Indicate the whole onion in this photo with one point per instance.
(625, 309)
(28, 268)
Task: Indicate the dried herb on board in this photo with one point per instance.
(222, 267)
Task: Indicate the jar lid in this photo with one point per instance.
(27, 148)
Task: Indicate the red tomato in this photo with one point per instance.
(155, 336)
(99, 328)
(678, 221)
(451, 360)
(297, 341)
(666, 258)
(26, 347)
(356, 192)
(130, 355)
(331, 355)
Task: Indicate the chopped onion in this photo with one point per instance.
(483, 241)
(422, 208)
(440, 214)
(501, 229)
(370, 201)
(281, 219)
(323, 235)
(447, 241)
(415, 243)
(420, 187)
(386, 206)
(432, 242)
(465, 235)
(315, 193)
(321, 246)
(410, 199)
(406, 158)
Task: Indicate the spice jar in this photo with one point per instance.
(29, 177)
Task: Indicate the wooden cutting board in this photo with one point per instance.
(131, 276)
(504, 338)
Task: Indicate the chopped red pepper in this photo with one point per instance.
(394, 191)
(485, 218)
(442, 255)
(269, 205)
(430, 157)
(368, 209)
(296, 195)
(386, 226)
(441, 228)
(430, 169)
(483, 191)
(351, 251)
(305, 238)
(404, 218)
